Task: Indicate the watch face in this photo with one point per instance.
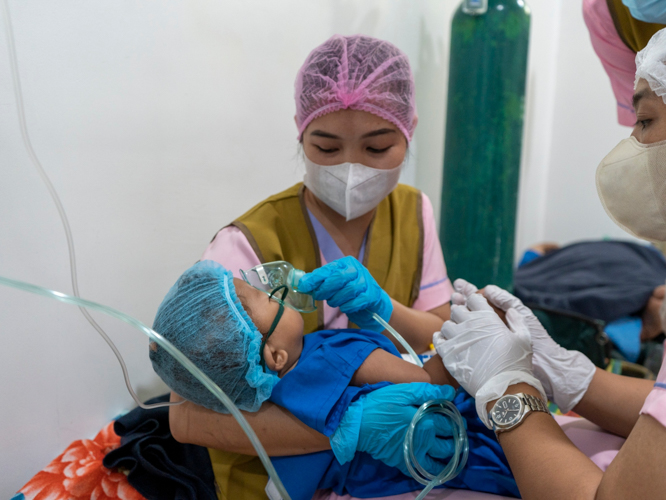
(506, 410)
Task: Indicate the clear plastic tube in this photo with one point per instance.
(460, 453)
(399, 338)
(20, 108)
(168, 347)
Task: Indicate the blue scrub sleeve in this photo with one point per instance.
(317, 389)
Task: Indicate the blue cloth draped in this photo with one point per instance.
(605, 280)
(317, 391)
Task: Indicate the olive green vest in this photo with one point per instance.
(634, 33)
(279, 228)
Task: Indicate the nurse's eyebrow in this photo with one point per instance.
(321, 133)
(645, 93)
(374, 133)
(381, 131)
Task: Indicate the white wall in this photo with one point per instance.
(160, 122)
(570, 127)
(584, 130)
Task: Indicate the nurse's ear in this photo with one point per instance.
(276, 359)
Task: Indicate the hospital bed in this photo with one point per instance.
(55, 481)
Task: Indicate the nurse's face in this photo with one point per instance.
(355, 137)
(650, 115)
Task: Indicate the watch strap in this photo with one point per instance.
(534, 403)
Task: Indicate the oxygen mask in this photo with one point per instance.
(271, 275)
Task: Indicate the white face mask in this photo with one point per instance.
(631, 182)
(351, 189)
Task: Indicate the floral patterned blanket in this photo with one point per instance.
(78, 473)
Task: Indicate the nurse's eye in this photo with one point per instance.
(375, 150)
(323, 150)
(643, 123)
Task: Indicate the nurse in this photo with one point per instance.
(618, 30)
(525, 365)
(371, 242)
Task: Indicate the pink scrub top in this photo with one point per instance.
(618, 60)
(231, 248)
(655, 404)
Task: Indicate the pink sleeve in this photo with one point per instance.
(436, 288)
(655, 404)
(231, 248)
(617, 59)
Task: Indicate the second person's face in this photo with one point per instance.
(650, 115)
(355, 137)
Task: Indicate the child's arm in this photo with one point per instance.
(382, 366)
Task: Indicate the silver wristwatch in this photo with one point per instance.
(511, 410)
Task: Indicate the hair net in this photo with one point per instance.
(202, 316)
(651, 64)
(356, 72)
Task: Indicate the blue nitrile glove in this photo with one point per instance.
(378, 421)
(648, 11)
(347, 284)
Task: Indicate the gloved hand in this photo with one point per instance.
(377, 423)
(347, 284)
(483, 354)
(565, 374)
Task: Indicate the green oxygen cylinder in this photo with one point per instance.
(484, 127)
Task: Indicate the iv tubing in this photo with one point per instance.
(168, 347)
(59, 206)
(460, 453)
(399, 338)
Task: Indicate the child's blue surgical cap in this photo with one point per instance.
(202, 316)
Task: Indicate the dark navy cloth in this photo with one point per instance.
(605, 280)
(160, 468)
(320, 383)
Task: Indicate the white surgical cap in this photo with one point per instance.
(651, 64)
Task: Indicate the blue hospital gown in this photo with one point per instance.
(317, 392)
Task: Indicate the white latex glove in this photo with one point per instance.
(482, 354)
(565, 374)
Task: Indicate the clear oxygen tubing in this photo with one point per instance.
(460, 453)
(448, 409)
(399, 338)
(20, 108)
(173, 351)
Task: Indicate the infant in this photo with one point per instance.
(254, 349)
(224, 326)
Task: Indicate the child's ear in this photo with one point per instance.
(276, 359)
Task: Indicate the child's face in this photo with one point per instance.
(288, 334)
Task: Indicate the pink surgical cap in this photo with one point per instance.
(356, 72)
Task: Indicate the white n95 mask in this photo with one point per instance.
(351, 189)
(631, 182)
